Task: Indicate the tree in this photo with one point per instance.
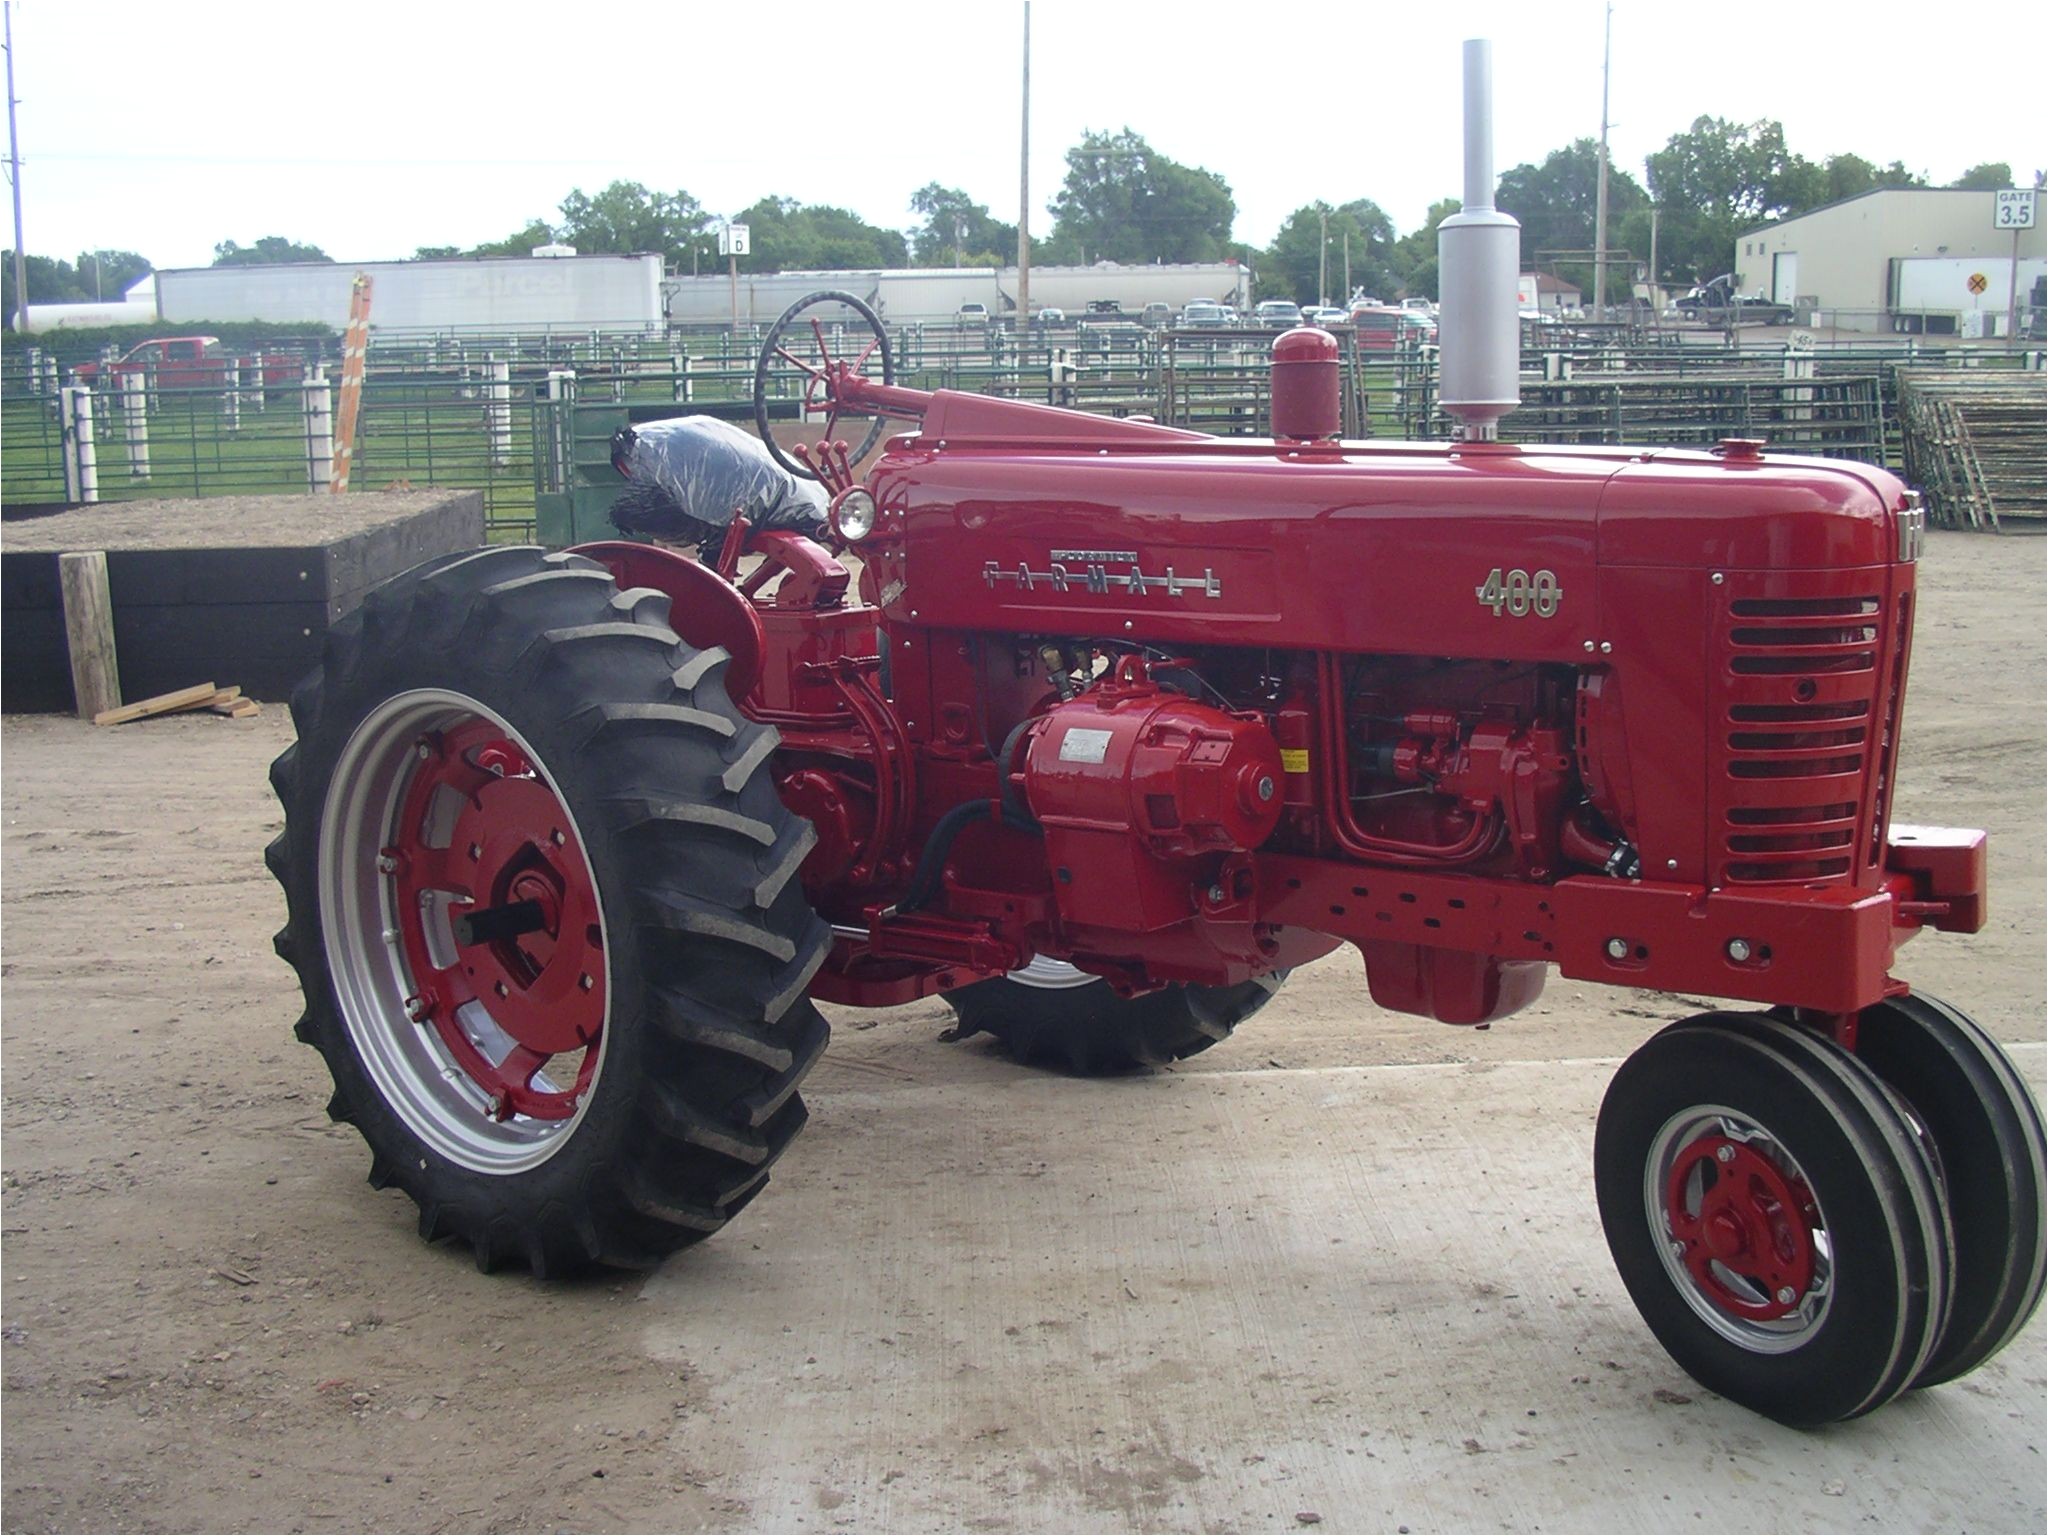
(1413, 257)
(1294, 261)
(520, 242)
(1804, 186)
(1124, 201)
(106, 275)
(627, 219)
(269, 251)
(956, 228)
(1558, 205)
(1991, 176)
(102, 275)
(786, 235)
(1717, 179)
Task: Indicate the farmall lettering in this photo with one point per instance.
(1101, 571)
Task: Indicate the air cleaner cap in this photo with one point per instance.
(1307, 397)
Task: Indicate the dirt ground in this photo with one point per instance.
(1314, 1276)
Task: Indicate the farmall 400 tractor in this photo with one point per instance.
(1119, 725)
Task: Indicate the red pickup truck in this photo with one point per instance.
(194, 362)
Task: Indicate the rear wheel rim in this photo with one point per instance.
(1738, 1229)
(490, 1051)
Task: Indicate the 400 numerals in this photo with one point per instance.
(1519, 594)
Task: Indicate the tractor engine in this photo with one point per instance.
(1146, 797)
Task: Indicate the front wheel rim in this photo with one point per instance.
(465, 940)
(1738, 1229)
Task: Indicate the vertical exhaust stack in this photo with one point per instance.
(1479, 259)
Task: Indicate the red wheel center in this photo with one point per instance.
(509, 861)
(1746, 1227)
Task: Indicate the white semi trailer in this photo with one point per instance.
(907, 295)
(492, 295)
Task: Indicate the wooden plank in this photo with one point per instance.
(162, 704)
(239, 709)
(89, 632)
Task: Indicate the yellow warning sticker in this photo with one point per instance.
(1294, 759)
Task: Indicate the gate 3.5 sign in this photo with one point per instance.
(2014, 209)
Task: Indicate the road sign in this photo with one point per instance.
(1978, 283)
(732, 240)
(2014, 209)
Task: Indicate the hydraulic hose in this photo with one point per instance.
(931, 864)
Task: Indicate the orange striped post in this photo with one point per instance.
(355, 346)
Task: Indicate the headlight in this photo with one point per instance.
(853, 515)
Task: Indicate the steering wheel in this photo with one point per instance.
(818, 396)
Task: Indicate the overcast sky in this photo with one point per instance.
(370, 128)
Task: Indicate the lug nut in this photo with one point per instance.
(423, 751)
(557, 838)
(1217, 895)
(1738, 950)
(1266, 787)
(1617, 949)
(501, 989)
(1725, 1154)
(476, 851)
(585, 981)
(1786, 1295)
(387, 864)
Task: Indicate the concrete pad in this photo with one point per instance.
(1364, 1297)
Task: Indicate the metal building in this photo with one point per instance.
(1917, 259)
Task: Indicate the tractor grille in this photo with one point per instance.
(1811, 688)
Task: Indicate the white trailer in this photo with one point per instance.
(1973, 288)
(491, 295)
(909, 295)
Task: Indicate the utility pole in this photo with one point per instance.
(1600, 198)
(14, 177)
(2012, 277)
(1347, 268)
(1323, 261)
(1656, 285)
(1024, 192)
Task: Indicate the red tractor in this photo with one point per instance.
(1116, 724)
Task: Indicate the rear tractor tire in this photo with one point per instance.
(1052, 1014)
(541, 901)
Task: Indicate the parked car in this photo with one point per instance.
(974, 314)
(1420, 305)
(1386, 327)
(1206, 315)
(192, 362)
(1049, 315)
(1157, 314)
(1325, 315)
(1278, 313)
